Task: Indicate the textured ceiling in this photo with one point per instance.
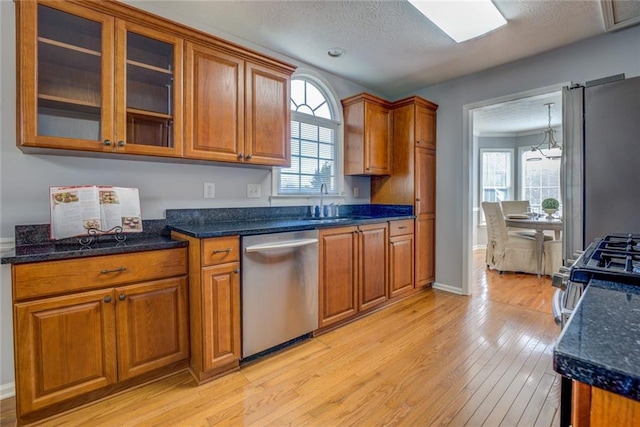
(391, 48)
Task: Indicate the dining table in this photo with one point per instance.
(539, 224)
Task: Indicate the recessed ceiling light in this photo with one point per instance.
(462, 20)
(335, 52)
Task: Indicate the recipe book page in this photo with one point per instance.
(75, 210)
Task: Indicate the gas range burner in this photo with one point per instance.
(615, 257)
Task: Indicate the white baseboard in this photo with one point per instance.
(7, 390)
(447, 288)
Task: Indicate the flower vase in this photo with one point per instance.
(550, 213)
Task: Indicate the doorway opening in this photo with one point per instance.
(512, 123)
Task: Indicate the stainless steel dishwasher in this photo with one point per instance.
(279, 289)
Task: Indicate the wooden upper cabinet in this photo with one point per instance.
(65, 63)
(425, 127)
(268, 116)
(214, 104)
(367, 137)
(88, 81)
(107, 77)
(148, 91)
(236, 111)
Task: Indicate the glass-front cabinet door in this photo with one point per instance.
(148, 91)
(66, 97)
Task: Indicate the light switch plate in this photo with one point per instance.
(253, 191)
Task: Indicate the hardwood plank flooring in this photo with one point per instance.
(434, 359)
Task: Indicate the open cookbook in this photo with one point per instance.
(77, 210)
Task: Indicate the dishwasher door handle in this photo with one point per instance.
(280, 245)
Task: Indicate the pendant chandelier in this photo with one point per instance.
(548, 143)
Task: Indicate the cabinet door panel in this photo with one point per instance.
(221, 315)
(425, 250)
(214, 105)
(401, 264)
(425, 182)
(425, 127)
(373, 265)
(377, 152)
(65, 79)
(268, 117)
(149, 91)
(67, 348)
(152, 326)
(338, 275)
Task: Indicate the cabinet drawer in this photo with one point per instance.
(398, 228)
(220, 250)
(64, 276)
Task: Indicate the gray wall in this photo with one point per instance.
(590, 59)
(25, 179)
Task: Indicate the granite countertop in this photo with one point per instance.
(33, 243)
(600, 345)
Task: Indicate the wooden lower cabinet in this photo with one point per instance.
(425, 249)
(595, 407)
(401, 259)
(221, 315)
(338, 281)
(76, 347)
(214, 305)
(353, 271)
(373, 261)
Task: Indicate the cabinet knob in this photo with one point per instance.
(107, 299)
(107, 142)
(418, 142)
(240, 155)
(249, 156)
(121, 143)
(418, 199)
(237, 270)
(122, 297)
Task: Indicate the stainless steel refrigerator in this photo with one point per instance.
(609, 164)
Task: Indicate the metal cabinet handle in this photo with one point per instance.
(122, 297)
(240, 155)
(237, 270)
(418, 142)
(249, 156)
(121, 143)
(107, 142)
(217, 251)
(107, 299)
(402, 228)
(117, 270)
(418, 199)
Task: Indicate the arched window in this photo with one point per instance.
(314, 126)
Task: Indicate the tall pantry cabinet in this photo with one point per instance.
(413, 176)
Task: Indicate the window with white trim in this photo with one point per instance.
(540, 176)
(496, 176)
(314, 127)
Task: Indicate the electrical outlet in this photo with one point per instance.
(253, 191)
(209, 190)
(356, 192)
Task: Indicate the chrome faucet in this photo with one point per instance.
(323, 191)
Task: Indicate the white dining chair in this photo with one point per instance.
(507, 252)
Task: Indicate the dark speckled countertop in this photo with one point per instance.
(600, 345)
(33, 244)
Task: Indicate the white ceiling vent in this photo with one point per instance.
(619, 14)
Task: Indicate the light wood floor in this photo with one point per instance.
(435, 359)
